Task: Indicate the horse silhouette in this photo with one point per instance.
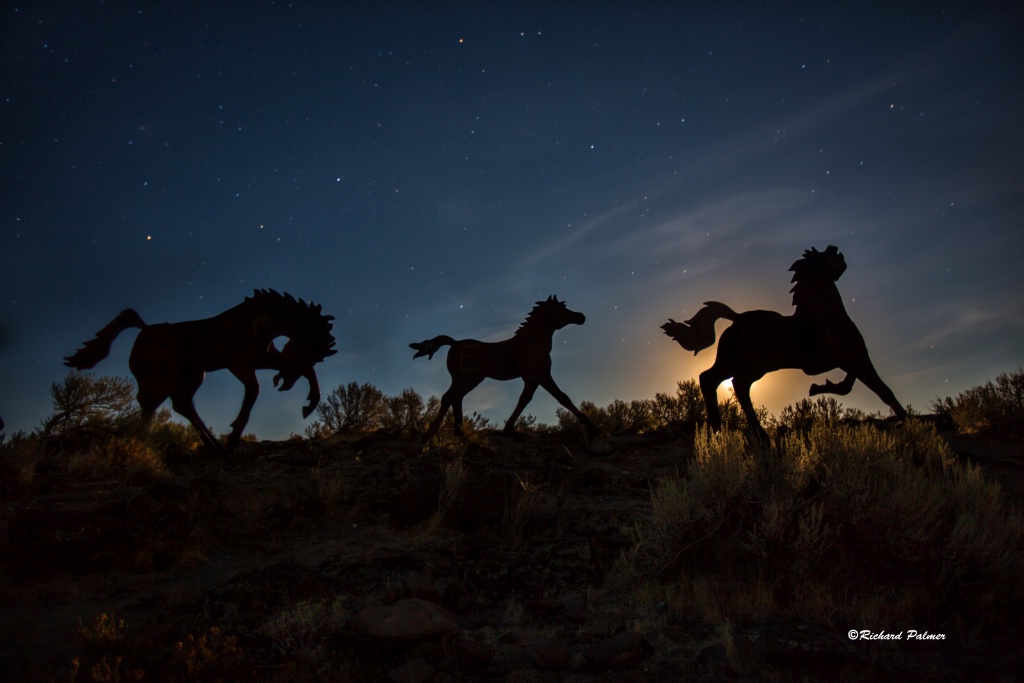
(170, 360)
(527, 355)
(817, 338)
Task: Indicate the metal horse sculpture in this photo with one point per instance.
(526, 355)
(817, 338)
(170, 360)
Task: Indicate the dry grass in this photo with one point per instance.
(128, 459)
(832, 526)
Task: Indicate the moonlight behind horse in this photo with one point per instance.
(527, 354)
(170, 360)
(817, 338)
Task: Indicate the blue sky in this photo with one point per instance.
(422, 171)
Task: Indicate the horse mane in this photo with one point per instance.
(533, 316)
(306, 318)
(814, 278)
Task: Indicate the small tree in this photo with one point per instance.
(86, 402)
(352, 406)
(405, 411)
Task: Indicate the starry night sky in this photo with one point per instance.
(425, 170)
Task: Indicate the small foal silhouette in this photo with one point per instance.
(170, 360)
(526, 355)
(818, 337)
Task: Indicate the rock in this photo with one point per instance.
(623, 651)
(412, 671)
(410, 619)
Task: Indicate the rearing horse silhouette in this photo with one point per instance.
(526, 355)
(818, 337)
(170, 360)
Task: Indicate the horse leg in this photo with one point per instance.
(181, 402)
(709, 381)
(741, 386)
(451, 399)
(248, 379)
(830, 387)
(150, 397)
(524, 398)
(872, 381)
(465, 386)
(549, 385)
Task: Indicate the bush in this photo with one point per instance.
(995, 407)
(405, 411)
(303, 633)
(352, 407)
(854, 513)
(85, 406)
(685, 409)
(131, 460)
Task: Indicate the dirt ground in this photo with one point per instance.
(492, 558)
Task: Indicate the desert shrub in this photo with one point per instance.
(350, 407)
(527, 423)
(104, 644)
(850, 512)
(405, 411)
(86, 407)
(997, 406)
(211, 656)
(127, 458)
(172, 438)
(473, 427)
(804, 414)
(684, 409)
(21, 455)
(303, 632)
(638, 416)
(618, 417)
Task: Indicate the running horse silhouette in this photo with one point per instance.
(527, 355)
(817, 338)
(170, 360)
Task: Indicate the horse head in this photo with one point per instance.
(557, 315)
(297, 359)
(309, 341)
(830, 264)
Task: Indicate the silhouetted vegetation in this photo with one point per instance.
(996, 407)
(828, 527)
(843, 522)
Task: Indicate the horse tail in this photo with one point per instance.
(95, 350)
(698, 333)
(429, 347)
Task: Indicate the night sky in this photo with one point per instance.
(425, 170)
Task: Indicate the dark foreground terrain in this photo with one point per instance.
(373, 559)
